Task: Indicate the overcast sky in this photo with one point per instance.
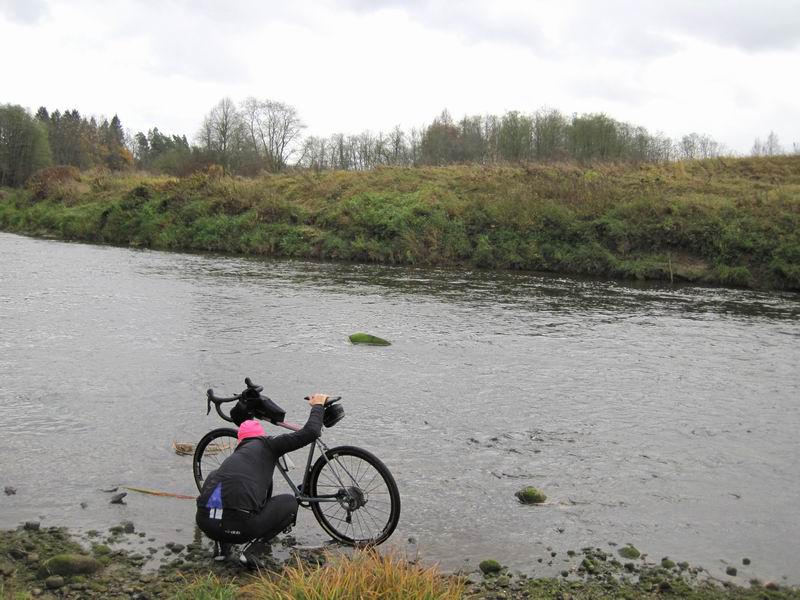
(728, 68)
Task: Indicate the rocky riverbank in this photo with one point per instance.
(51, 563)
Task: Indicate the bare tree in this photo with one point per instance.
(221, 132)
(273, 129)
(773, 147)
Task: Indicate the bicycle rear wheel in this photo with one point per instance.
(213, 448)
(368, 502)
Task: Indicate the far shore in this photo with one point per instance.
(730, 222)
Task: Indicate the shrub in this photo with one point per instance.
(45, 182)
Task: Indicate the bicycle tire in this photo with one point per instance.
(204, 462)
(332, 522)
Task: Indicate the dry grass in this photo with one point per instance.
(366, 575)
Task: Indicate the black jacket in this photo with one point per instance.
(245, 476)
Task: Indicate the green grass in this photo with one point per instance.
(725, 221)
(209, 587)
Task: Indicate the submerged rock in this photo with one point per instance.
(530, 495)
(370, 340)
(731, 571)
(10, 491)
(119, 498)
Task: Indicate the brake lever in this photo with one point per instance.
(208, 401)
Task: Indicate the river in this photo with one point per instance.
(666, 417)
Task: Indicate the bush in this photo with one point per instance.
(46, 182)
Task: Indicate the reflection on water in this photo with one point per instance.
(649, 414)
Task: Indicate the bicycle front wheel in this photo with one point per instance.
(215, 447)
(367, 506)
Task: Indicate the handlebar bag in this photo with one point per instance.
(261, 407)
(239, 413)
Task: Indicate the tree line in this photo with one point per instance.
(263, 135)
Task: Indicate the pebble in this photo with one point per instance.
(18, 553)
(54, 582)
(118, 498)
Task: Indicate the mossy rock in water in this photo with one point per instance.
(630, 552)
(100, 549)
(370, 340)
(490, 566)
(69, 564)
(531, 495)
(667, 563)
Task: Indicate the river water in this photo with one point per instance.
(666, 417)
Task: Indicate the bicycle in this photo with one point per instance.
(351, 493)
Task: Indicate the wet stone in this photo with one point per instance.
(630, 552)
(18, 554)
(32, 525)
(489, 566)
(54, 582)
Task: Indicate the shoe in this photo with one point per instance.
(250, 556)
(222, 551)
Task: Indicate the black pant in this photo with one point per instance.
(236, 527)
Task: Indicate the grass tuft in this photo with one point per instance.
(368, 574)
(209, 587)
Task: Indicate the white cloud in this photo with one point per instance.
(718, 67)
(23, 11)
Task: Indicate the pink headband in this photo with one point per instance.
(251, 428)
